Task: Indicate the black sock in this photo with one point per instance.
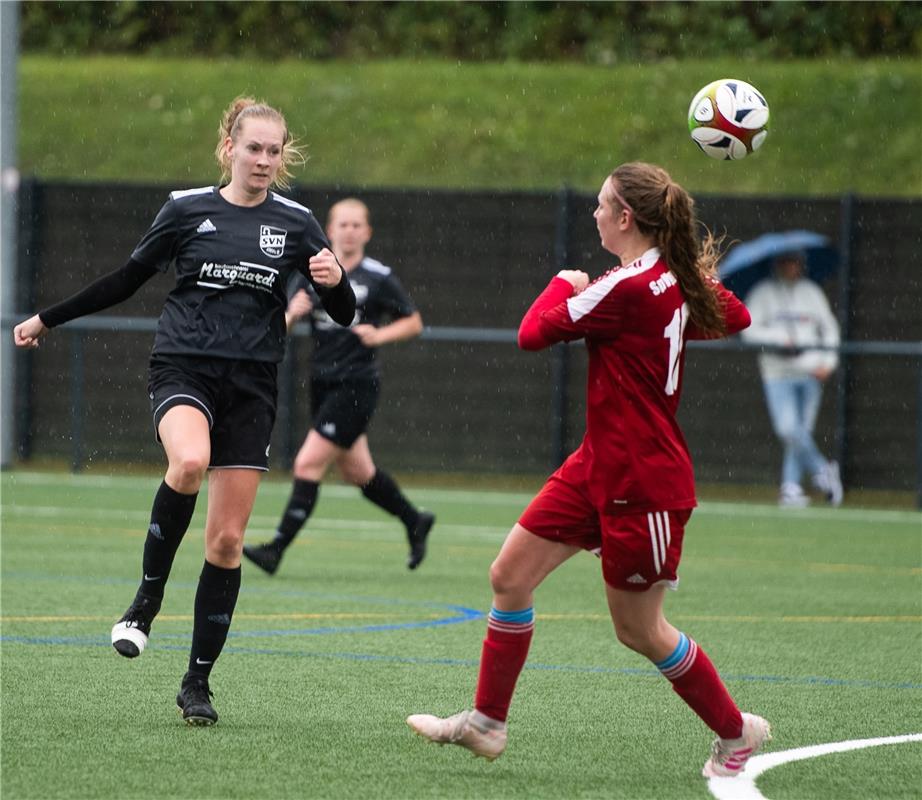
(384, 492)
(299, 508)
(169, 519)
(215, 600)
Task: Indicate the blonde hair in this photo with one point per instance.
(664, 210)
(246, 108)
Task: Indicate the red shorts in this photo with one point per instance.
(637, 550)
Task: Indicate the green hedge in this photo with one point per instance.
(598, 33)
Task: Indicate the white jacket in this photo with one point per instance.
(792, 314)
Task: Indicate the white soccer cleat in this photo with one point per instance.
(128, 639)
(129, 634)
(458, 730)
(729, 756)
(831, 484)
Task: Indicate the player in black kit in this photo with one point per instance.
(212, 378)
(344, 390)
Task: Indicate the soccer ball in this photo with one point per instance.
(728, 119)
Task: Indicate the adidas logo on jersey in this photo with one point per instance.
(206, 227)
(635, 578)
(329, 428)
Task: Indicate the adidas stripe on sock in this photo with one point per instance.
(505, 649)
(681, 659)
(695, 680)
(511, 621)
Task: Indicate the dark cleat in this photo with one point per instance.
(194, 701)
(418, 535)
(265, 556)
(130, 633)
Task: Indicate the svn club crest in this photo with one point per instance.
(272, 240)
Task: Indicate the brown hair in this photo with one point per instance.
(245, 108)
(664, 210)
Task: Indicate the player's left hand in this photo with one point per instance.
(369, 335)
(325, 269)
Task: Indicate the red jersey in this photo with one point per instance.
(635, 322)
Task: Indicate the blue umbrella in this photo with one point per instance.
(749, 262)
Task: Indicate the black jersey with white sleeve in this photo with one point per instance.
(233, 264)
(379, 299)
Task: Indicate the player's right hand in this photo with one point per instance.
(578, 279)
(300, 305)
(27, 334)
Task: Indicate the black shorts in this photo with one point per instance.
(237, 397)
(341, 410)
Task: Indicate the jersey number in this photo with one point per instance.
(675, 332)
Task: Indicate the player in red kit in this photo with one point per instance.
(628, 491)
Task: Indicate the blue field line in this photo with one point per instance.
(458, 614)
(803, 680)
(274, 591)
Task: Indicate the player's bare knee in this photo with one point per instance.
(225, 546)
(356, 476)
(187, 471)
(308, 470)
(634, 637)
(505, 581)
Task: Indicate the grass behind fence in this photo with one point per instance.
(837, 125)
(813, 618)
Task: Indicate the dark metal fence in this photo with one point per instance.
(462, 398)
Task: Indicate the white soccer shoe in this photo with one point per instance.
(128, 639)
(458, 730)
(729, 756)
(830, 483)
(792, 496)
(129, 634)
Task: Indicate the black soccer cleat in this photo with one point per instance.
(194, 701)
(266, 556)
(418, 535)
(129, 634)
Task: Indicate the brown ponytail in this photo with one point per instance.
(664, 210)
(244, 108)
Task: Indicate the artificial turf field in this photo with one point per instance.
(813, 617)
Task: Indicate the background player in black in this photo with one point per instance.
(344, 389)
(213, 365)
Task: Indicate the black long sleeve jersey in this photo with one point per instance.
(232, 267)
(380, 298)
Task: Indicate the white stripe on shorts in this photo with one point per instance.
(660, 537)
(188, 397)
(654, 543)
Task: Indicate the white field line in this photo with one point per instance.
(276, 488)
(743, 787)
(518, 500)
(364, 529)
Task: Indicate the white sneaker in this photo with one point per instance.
(792, 496)
(458, 729)
(729, 756)
(831, 483)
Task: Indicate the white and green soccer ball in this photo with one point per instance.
(728, 119)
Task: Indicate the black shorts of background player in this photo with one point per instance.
(344, 390)
(213, 365)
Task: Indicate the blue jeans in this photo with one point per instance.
(793, 404)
